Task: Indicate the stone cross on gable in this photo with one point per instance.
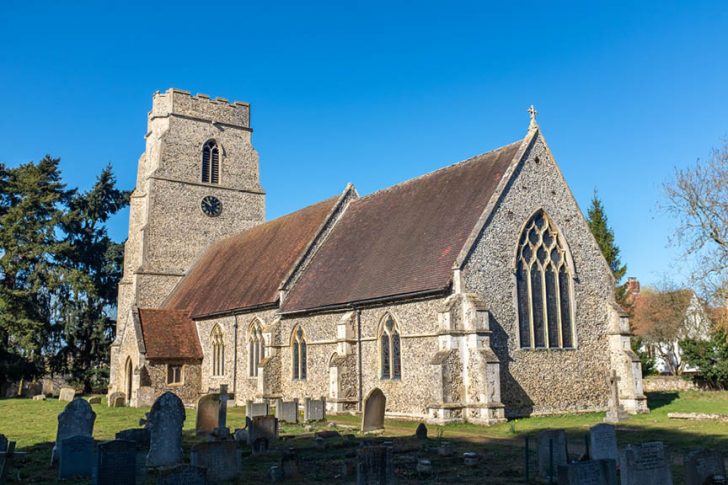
(532, 111)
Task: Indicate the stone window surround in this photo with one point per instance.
(217, 339)
(181, 381)
(298, 338)
(383, 332)
(572, 279)
(256, 345)
(221, 162)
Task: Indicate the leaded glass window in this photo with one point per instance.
(211, 163)
(218, 351)
(298, 355)
(390, 349)
(543, 287)
(256, 348)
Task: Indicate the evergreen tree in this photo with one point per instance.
(31, 200)
(604, 235)
(92, 267)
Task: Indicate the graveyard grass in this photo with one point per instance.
(33, 425)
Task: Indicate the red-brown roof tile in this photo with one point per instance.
(169, 334)
(402, 240)
(247, 269)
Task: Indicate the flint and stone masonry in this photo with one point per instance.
(458, 343)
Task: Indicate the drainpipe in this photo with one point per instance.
(235, 357)
(359, 358)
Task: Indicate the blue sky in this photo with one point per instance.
(379, 92)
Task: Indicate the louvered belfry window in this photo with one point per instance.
(543, 282)
(389, 356)
(211, 163)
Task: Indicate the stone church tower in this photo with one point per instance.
(197, 182)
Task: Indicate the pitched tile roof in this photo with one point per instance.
(247, 269)
(169, 334)
(402, 240)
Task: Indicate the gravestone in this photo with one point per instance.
(263, 427)
(3, 443)
(260, 445)
(253, 409)
(421, 432)
(552, 452)
(140, 437)
(183, 474)
(94, 400)
(67, 394)
(645, 464)
(76, 419)
(116, 463)
(219, 457)
(76, 457)
(287, 411)
(374, 465)
(603, 442)
(615, 410)
(314, 410)
(289, 465)
(374, 406)
(145, 396)
(117, 400)
(208, 413)
(592, 472)
(39, 397)
(704, 466)
(165, 426)
(222, 431)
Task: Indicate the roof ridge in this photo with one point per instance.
(441, 169)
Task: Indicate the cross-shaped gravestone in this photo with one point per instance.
(615, 411)
(222, 431)
(6, 457)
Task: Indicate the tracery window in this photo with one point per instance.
(211, 163)
(298, 352)
(218, 351)
(256, 348)
(389, 343)
(543, 280)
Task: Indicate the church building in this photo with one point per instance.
(472, 293)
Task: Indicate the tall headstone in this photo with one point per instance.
(221, 459)
(165, 426)
(76, 457)
(592, 472)
(208, 413)
(552, 452)
(374, 465)
(421, 432)
(263, 427)
(287, 411)
(314, 410)
(222, 429)
(76, 419)
(253, 409)
(603, 442)
(183, 474)
(615, 410)
(645, 464)
(67, 394)
(704, 466)
(140, 436)
(116, 463)
(374, 407)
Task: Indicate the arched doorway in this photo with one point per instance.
(128, 373)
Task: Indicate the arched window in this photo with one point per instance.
(543, 283)
(298, 353)
(218, 351)
(211, 163)
(389, 358)
(256, 348)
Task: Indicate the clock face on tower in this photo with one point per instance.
(211, 206)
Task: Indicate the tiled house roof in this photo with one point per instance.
(169, 334)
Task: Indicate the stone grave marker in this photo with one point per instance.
(183, 474)
(603, 442)
(76, 457)
(263, 427)
(116, 463)
(592, 472)
(314, 410)
(76, 419)
(222, 431)
(94, 400)
(551, 443)
(39, 397)
(253, 409)
(219, 457)
(702, 466)
(373, 416)
(3, 443)
(145, 396)
(117, 400)
(165, 426)
(615, 410)
(140, 436)
(260, 445)
(645, 464)
(289, 465)
(421, 432)
(67, 394)
(374, 465)
(287, 411)
(208, 413)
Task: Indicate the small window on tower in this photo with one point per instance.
(211, 163)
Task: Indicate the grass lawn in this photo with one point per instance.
(33, 425)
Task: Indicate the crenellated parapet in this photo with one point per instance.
(201, 107)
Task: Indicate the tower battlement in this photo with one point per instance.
(200, 106)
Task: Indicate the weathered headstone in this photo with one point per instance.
(39, 397)
(421, 432)
(645, 464)
(314, 410)
(603, 442)
(3, 443)
(374, 465)
(222, 431)
(704, 466)
(94, 400)
(592, 472)
(260, 445)
(183, 474)
(289, 465)
(220, 457)
(67, 394)
(76, 457)
(615, 410)
(208, 413)
(117, 400)
(140, 437)
(165, 425)
(116, 463)
(253, 409)
(374, 406)
(145, 396)
(287, 411)
(76, 419)
(552, 452)
(263, 427)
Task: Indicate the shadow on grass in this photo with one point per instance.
(657, 400)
